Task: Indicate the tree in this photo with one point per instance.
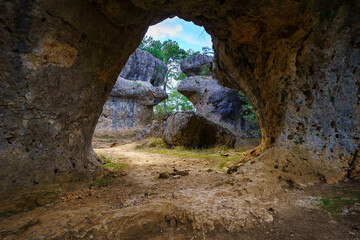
(170, 52)
(248, 113)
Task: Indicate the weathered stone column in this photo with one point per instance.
(137, 89)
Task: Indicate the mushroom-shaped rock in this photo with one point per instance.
(191, 129)
(142, 92)
(215, 102)
(130, 104)
(143, 66)
(197, 65)
(129, 107)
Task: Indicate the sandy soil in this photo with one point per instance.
(133, 203)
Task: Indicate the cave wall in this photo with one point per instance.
(297, 61)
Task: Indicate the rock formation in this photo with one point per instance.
(129, 107)
(197, 65)
(136, 91)
(193, 130)
(297, 61)
(216, 102)
(144, 67)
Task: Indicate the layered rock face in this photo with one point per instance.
(131, 101)
(216, 102)
(297, 61)
(193, 130)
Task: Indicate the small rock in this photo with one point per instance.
(62, 199)
(176, 176)
(181, 172)
(232, 169)
(113, 145)
(78, 197)
(224, 154)
(218, 184)
(164, 175)
(98, 196)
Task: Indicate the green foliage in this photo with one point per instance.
(248, 112)
(170, 52)
(205, 71)
(175, 103)
(154, 47)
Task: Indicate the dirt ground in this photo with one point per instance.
(131, 202)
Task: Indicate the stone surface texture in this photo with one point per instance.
(193, 130)
(129, 107)
(153, 129)
(144, 67)
(130, 104)
(197, 65)
(297, 61)
(217, 103)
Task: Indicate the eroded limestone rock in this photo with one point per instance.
(191, 129)
(217, 103)
(144, 67)
(197, 65)
(297, 61)
(130, 105)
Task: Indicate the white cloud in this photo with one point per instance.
(180, 30)
(160, 31)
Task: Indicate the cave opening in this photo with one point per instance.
(170, 72)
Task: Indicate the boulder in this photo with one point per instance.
(143, 66)
(193, 130)
(216, 102)
(197, 65)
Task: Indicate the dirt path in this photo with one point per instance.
(133, 203)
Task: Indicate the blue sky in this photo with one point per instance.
(187, 34)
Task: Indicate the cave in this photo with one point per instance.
(297, 61)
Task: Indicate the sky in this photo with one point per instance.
(187, 34)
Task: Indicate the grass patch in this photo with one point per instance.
(335, 205)
(219, 156)
(103, 181)
(112, 167)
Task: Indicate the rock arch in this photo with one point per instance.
(297, 61)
